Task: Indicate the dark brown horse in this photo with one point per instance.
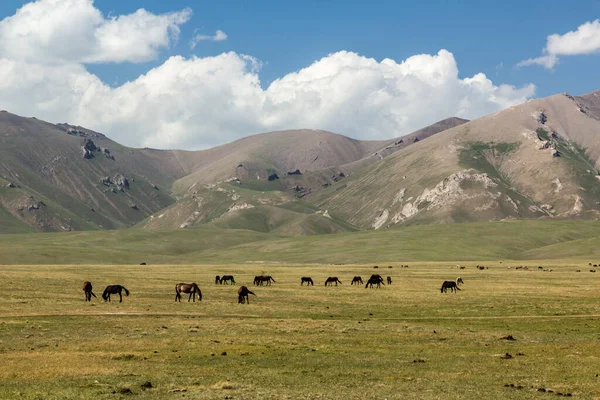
(190, 288)
(87, 289)
(357, 280)
(114, 289)
(449, 285)
(331, 280)
(227, 278)
(375, 279)
(308, 280)
(389, 280)
(260, 279)
(243, 293)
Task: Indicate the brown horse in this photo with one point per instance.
(389, 280)
(87, 289)
(357, 279)
(331, 280)
(308, 280)
(243, 293)
(190, 288)
(260, 279)
(227, 278)
(114, 289)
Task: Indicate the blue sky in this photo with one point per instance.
(488, 37)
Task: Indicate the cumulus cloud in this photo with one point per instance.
(585, 40)
(219, 36)
(74, 31)
(195, 103)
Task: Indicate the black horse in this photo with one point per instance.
(308, 280)
(227, 278)
(260, 279)
(114, 289)
(217, 280)
(449, 285)
(190, 288)
(243, 293)
(331, 280)
(389, 280)
(375, 279)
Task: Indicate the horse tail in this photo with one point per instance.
(270, 277)
(457, 288)
(93, 293)
(126, 291)
(252, 293)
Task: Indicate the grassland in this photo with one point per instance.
(406, 340)
(508, 240)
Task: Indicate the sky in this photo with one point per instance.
(191, 74)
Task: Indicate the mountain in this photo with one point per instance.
(59, 177)
(535, 160)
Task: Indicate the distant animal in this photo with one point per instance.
(375, 279)
(356, 280)
(592, 270)
(389, 280)
(87, 289)
(227, 278)
(308, 280)
(480, 267)
(459, 281)
(142, 263)
(331, 280)
(261, 279)
(190, 288)
(377, 266)
(390, 266)
(449, 285)
(114, 289)
(462, 267)
(243, 293)
(578, 270)
(217, 280)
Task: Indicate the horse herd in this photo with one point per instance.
(194, 290)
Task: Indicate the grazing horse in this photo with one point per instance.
(114, 289)
(375, 279)
(389, 280)
(331, 280)
(449, 285)
(87, 289)
(243, 293)
(308, 280)
(227, 278)
(217, 280)
(459, 281)
(190, 288)
(357, 279)
(260, 279)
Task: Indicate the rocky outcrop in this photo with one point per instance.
(31, 204)
(296, 172)
(88, 147)
(121, 182)
(10, 185)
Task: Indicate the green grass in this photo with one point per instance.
(406, 340)
(461, 242)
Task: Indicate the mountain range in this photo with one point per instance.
(535, 160)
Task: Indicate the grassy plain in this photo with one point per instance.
(404, 341)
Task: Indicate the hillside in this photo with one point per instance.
(535, 160)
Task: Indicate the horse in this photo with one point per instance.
(449, 285)
(308, 280)
(217, 280)
(227, 278)
(459, 281)
(87, 289)
(243, 293)
(190, 288)
(114, 289)
(375, 279)
(357, 279)
(389, 280)
(260, 279)
(331, 280)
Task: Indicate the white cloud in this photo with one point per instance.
(196, 102)
(585, 40)
(219, 36)
(63, 31)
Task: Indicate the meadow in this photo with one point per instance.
(406, 340)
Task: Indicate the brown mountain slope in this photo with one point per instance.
(539, 159)
(49, 185)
